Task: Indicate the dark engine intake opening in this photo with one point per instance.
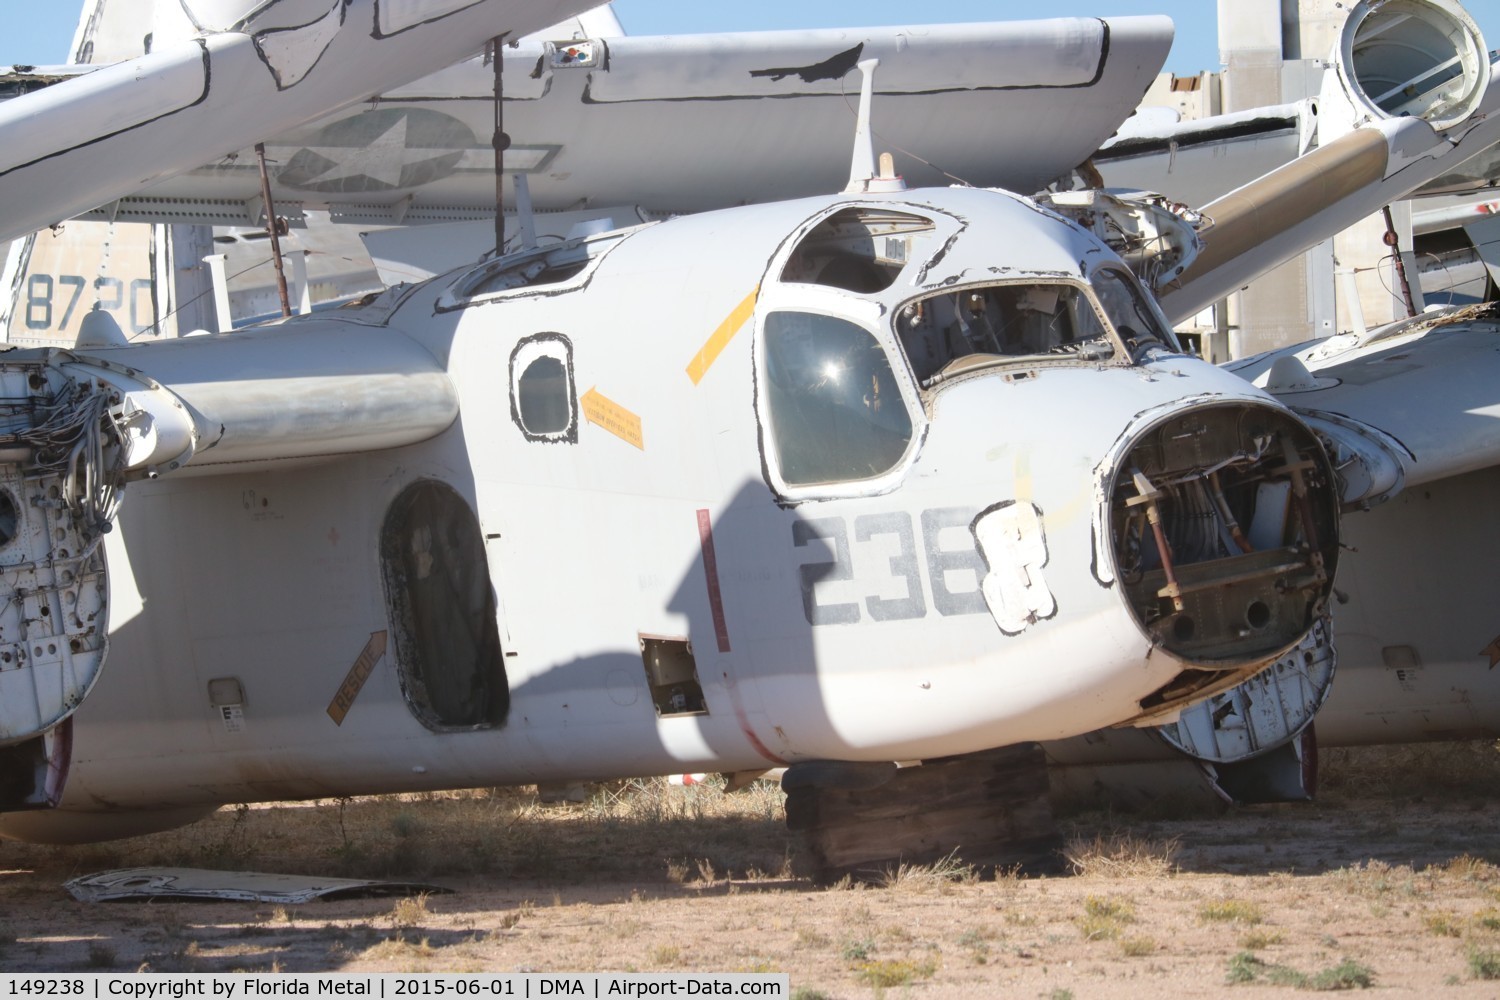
(1225, 529)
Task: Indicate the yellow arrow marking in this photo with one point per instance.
(600, 409)
(1492, 651)
(714, 346)
(354, 681)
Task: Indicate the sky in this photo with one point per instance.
(40, 31)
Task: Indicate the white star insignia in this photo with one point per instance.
(384, 159)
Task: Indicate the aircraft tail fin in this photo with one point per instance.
(112, 30)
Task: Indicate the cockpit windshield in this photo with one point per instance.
(1128, 311)
(949, 332)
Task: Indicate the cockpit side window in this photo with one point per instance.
(1129, 312)
(836, 411)
(951, 331)
(543, 402)
(550, 270)
(858, 250)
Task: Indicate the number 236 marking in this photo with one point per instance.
(905, 565)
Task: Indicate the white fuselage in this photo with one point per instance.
(854, 621)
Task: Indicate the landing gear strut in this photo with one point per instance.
(988, 809)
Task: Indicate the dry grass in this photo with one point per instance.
(1484, 964)
(1260, 938)
(1103, 919)
(666, 956)
(1375, 878)
(1121, 854)
(940, 874)
(409, 912)
(1423, 770)
(976, 945)
(1231, 911)
(1472, 869)
(623, 829)
(656, 877)
(1346, 975)
(887, 973)
(1444, 924)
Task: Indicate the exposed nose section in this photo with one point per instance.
(1223, 525)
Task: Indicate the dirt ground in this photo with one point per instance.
(1390, 881)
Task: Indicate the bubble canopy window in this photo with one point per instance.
(836, 411)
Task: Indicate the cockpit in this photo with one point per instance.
(857, 334)
(955, 331)
(952, 331)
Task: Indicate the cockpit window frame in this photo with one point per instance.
(984, 362)
(543, 347)
(864, 309)
(590, 250)
(1144, 296)
(867, 316)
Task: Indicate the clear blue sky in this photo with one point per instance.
(39, 31)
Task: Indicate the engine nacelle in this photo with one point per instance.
(1413, 58)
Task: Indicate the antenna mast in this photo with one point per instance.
(864, 177)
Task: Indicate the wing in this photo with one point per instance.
(685, 123)
(87, 141)
(1425, 392)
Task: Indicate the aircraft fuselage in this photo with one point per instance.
(862, 478)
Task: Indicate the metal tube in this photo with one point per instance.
(1217, 492)
(1154, 516)
(1147, 498)
(1393, 241)
(265, 197)
(501, 143)
(1295, 467)
(525, 217)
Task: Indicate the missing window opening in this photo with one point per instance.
(672, 675)
(859, 250)
(443, 611)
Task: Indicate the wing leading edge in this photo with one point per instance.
(84, 142)
(756, 116)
